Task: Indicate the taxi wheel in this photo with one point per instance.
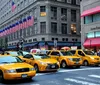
(36, 68)
(63, 64)
(1, 76)
(85, 63)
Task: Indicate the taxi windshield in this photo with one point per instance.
(40, 56)
(10, 59)
(66, 53)
(89, 53)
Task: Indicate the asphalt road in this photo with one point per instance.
(71, 76)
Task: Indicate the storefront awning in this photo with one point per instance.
(11, 47)
(41, 43)
(92, 42)
(29, 44)
(91, 11)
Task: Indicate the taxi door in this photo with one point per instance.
(81, 55)
(55, 55)
(28, 58)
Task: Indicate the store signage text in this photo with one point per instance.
(96, 28)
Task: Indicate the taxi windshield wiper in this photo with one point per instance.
(4, 62)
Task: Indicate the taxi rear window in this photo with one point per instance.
(73, 51)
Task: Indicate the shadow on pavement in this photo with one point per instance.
(22, 81)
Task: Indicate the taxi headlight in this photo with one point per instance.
(43, 63)
(32, 69)
(71, 59)
(11, 71)
(91, 57)
(58, 63)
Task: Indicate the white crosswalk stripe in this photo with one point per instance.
(94, 76)
(80, 81)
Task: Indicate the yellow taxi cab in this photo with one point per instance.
(65, 58)
(41, 62)
(12, 68)
(88, 57)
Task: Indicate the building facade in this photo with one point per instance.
(90, 24)
(53, 20)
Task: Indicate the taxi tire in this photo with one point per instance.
(63, 64)
(2, 77)
(85, 63)
(36, 68)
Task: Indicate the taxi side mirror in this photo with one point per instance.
(24, 60)
(32, 58)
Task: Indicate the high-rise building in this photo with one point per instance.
(90, 24)
(40, 22)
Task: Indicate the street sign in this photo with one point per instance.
(55, 43)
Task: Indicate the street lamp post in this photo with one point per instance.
(90, 44)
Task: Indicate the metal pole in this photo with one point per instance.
(90, 44)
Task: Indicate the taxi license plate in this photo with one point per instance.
(53, 66)
(77, 62)
(24, 75)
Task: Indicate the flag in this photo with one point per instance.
(13, 6)
(24, 23)
(20, 24)
(17, 26)
(30, 20)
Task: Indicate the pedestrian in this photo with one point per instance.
(98, 53)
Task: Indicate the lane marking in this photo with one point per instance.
(95, 76)
(80, 82)
(79, 69)
(87, 79)
(71, 70)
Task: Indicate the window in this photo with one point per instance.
(92, 18)
(28, 32)
(24, 32)
(43, 27)
(20, 32)
(90, 35)
(73, 28)
(81, 53)
(73, 52)
(66, 39)
(42, 8)
(64, 28)
(52, 39)
(96, 17)
(97, 34)
(53, 12)
(30, 40)
(55, 53)
(88, 19)
(73, 2)
(43, 39)
(73, 15)
(57, 39)
(63, 39)
(28, 56)
(53, 27)
(63, 14)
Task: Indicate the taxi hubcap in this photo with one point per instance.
(36, 68)
(85, 63)
(63, 64)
